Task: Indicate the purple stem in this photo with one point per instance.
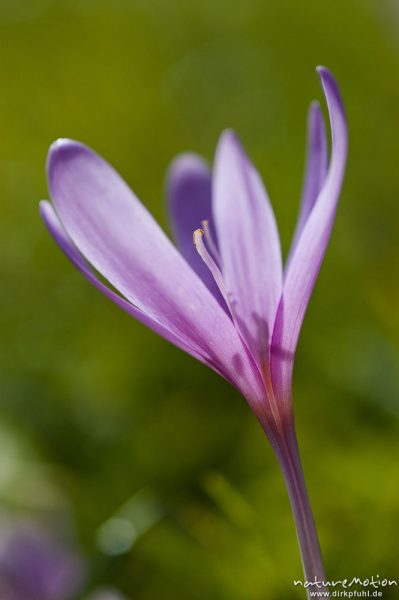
(287, 452)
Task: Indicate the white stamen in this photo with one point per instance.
(210, 241)
(210, 263)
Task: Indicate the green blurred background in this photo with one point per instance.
(154, 465)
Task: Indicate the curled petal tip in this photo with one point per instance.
(61, 142)
(327, 78)
(321, 68)
(334, 102)
(63, 147)
(324, 72)
(328, 82)
(60, 152)
(60, 146)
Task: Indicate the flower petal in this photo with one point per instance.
(249, 244)
(62, 239)
(189, 195)
(316, 169)
(121, 240)
(309, 252)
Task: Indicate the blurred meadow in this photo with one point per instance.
(149, 468)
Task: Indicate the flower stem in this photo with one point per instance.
(288, 456)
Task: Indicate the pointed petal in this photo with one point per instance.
(62, 239)
(306, 261)
(316, 169)
(121, 240)
(189, 195)
(249, 244)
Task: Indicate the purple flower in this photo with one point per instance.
(226, 299)
(34, 566)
